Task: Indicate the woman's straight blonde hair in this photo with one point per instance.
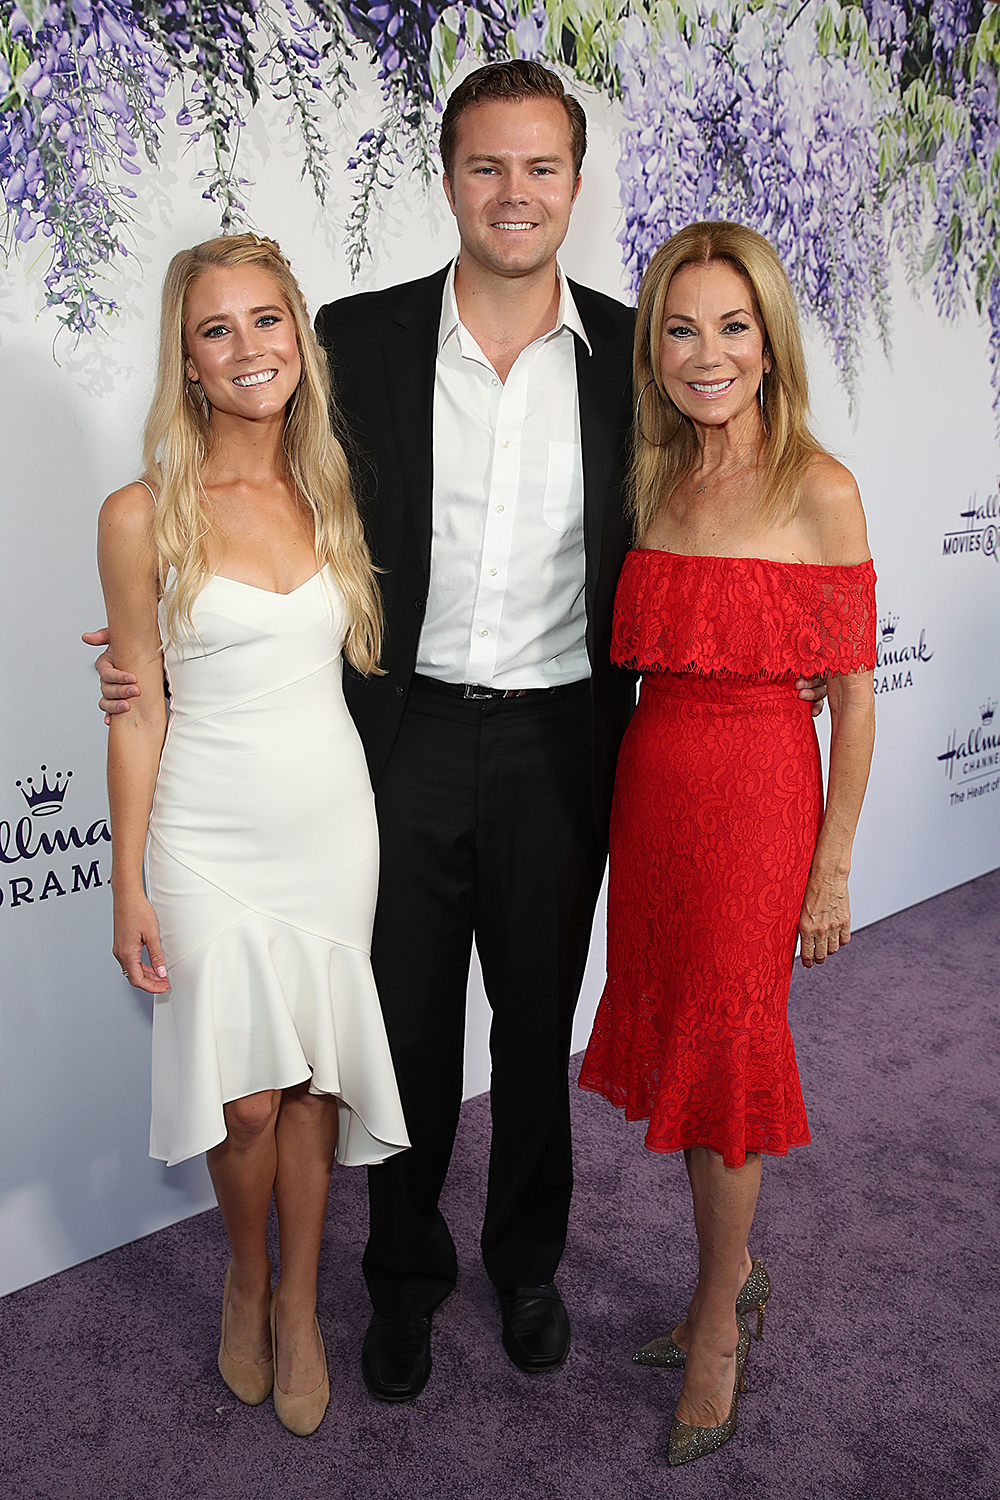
(666, 445)
(179, 439)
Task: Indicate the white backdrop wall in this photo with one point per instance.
(75, 1179)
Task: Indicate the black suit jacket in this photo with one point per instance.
(382, 348)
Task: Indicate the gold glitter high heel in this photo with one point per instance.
(663, 1354)
(755, 1294)
(688, 1443)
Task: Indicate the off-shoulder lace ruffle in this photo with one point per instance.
(743, 616)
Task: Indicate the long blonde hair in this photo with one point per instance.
(179, 439)
(666, 445)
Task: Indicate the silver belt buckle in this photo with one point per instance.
(476, 690)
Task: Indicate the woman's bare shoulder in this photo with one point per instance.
(133, 501)
(128, 512)
(830, 510)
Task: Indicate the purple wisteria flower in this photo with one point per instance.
(209, 47)
(943, 177)
(415, 44)
(839, 128)
(739, 116)
(84, 94)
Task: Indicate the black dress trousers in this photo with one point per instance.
(487, 832)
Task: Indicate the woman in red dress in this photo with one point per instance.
(752, 569)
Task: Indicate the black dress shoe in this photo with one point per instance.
(396, 1357)
(535, 1327)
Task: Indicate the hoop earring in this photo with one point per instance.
(638, 415)
(196, 395)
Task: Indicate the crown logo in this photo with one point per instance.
(45, 799)
(888, 626)
(986, 711)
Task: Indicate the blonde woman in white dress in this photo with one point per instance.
(238, 566)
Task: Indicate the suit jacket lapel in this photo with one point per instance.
(410, 354)
(598, 436)
(599, 390)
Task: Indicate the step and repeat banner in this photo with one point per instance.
(863, 139)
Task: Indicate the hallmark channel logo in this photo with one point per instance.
(897, 657)
(975, 760)
(981, 532)
(61, 871)
(44, 800)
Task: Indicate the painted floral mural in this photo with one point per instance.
(845, 130)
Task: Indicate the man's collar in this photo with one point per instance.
(567, 317)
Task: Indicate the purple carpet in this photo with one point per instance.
(878, 1372)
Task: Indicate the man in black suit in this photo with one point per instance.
(489, 405)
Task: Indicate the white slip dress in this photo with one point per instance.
(262, 867)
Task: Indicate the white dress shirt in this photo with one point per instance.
(505, 606)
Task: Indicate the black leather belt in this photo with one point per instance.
(476, 692)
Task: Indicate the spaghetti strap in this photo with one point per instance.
(149, 487)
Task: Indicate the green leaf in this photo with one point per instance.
(449, 47)
(915, 97)
(984, 276)
(824, 30)
(33, 12)
(932, 253)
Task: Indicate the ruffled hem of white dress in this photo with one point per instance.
(265, 1005)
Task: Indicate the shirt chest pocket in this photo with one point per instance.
(562, 505)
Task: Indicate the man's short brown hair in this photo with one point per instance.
(510, 82)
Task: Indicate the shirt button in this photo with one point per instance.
(499, 507)
(493, 572)
(494, 381)
(506, 442)
(484, 632)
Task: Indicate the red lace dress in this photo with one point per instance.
(718, 803)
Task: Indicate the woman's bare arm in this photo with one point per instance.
(831, 507)
(127, 562)
(825, 923)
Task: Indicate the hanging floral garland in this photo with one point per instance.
(842, 129)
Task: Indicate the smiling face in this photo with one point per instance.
(512, 185)
(241, 343)
(712, 345)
